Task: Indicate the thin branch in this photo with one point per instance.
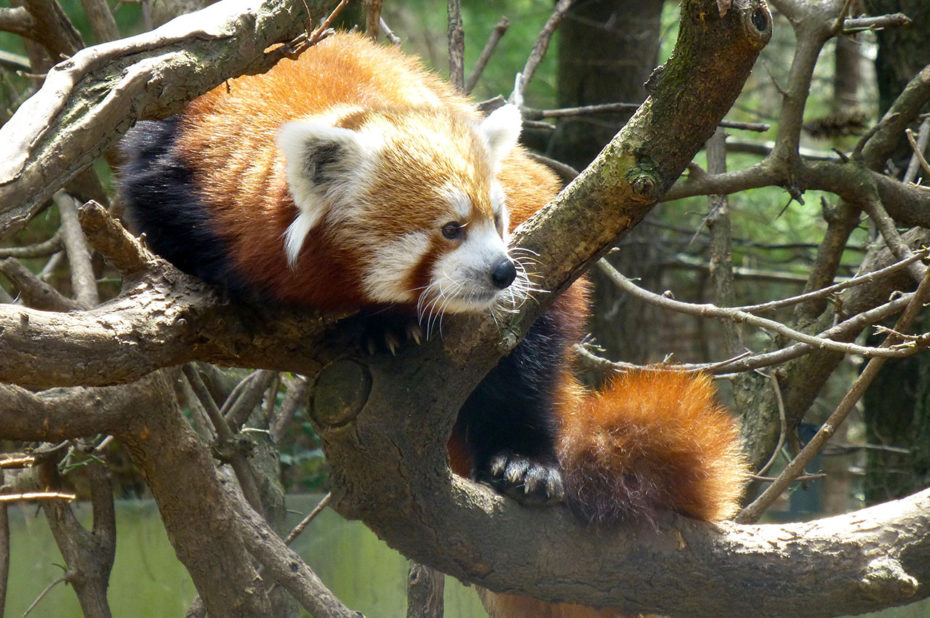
(33, 291)
(542, 44)
(296, 396)
(918, 146)
(859, 279)
(752, 512)
(709, 310)
(83, 281)
(456, 45)
(286, 567)
(889, 232)
(584, 110)
(226, 439)
(41, 249)
(43, 594)
(496, 34)
(393, 38)
(247, 394)
(857, 24)
(299, 528)
(782, 428)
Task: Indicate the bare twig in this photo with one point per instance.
(42, 249)
(542, 44)
(783, 424)
(83, 281)
(889, 232)
(838, 24)
(584, 110)
(838, 287)
(296, 396)
(226, 439)
(35, 292)
(709, 310)
(286, 567)
(499, 30)
(247, 394)
(857, 24)
(918, 147)
(299, 528)
(393, 38)
(21, 461)
(42, 595)
(752, 512)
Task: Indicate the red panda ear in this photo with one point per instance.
(501, 130)
(318, 158)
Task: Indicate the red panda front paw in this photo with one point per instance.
(526, 480)
(391, 333)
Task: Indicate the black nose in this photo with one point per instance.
(503, 274)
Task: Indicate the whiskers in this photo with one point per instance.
(433, 302)
(449, 295)
(523, 287)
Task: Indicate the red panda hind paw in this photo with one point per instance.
(528, 481)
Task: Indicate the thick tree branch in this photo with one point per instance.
(89, 101)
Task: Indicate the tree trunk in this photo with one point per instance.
(614, 70)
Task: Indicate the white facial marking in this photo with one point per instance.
(387, 275)
(463, 276)
(459, 201)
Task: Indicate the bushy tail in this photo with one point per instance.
(651, 441)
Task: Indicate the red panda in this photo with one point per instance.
(353, 179)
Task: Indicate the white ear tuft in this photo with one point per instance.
(501, 129)
(296, 233)
(319, 159)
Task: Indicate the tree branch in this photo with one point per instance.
(89, 101)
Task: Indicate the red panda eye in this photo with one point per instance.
(453, 230)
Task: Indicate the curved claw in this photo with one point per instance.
(526, 480)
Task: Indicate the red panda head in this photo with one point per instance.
(412, 194)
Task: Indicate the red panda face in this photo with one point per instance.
(412, 194)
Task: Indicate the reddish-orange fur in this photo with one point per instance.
(652, 441)
(660, 428)
(227, 138)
